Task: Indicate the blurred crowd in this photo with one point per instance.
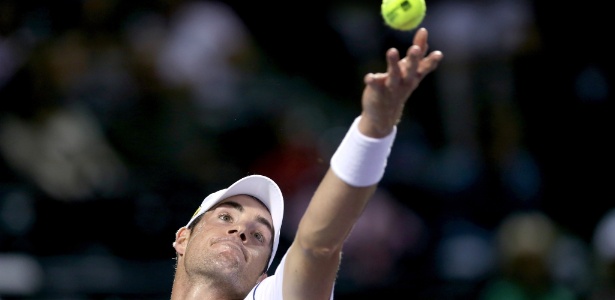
(118, 117)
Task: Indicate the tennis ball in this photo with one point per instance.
(403, 14)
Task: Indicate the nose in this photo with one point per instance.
(240, 232)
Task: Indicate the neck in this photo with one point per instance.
(195, 286)
(185, 290)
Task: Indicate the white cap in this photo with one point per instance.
(261, 187)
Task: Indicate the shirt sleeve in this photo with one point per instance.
(271, 287)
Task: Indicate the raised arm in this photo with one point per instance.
(313, 258)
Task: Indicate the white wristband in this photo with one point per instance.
(360, 160)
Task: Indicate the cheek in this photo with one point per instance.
(260, 253)
(200, 238)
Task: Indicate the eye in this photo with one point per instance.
(225, 217)
(259, 236)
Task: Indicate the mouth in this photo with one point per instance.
(233, 245)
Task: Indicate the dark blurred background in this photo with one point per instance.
(119, 117)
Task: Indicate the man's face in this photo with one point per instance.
(232, 242)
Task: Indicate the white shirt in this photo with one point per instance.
(271, 287)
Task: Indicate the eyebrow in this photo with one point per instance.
(240, 208)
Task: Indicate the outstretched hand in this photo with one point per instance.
(385, 94)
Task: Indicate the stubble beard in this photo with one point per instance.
(222, 270)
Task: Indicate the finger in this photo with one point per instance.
(413, 56)
(393, 69)
(375, 80)
(430, 63)
(420, 39)
(368, 78)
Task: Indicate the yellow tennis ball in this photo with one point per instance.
(403, 14)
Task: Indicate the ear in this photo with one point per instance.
(181, 239)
